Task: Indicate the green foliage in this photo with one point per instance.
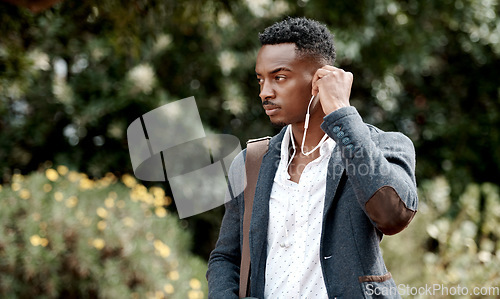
(63, 235)
(449, 243)
(74, 76)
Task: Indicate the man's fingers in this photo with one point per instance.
(331, 78)
(320, 73)
(334, 84)
(329, 68)
(327, 71)
(331, 71)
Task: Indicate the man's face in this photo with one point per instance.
(285, 83)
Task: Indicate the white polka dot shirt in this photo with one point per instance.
(293, 268)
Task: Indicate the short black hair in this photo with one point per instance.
(309, 36)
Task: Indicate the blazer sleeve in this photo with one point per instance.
(223, 272)
(381, 167)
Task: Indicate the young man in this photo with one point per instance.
(329, 186)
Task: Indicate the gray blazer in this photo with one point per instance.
(370, 191)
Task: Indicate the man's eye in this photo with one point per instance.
(280, 78)
(260, 80)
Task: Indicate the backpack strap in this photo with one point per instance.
(256, 148)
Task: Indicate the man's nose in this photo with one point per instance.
(266, 91)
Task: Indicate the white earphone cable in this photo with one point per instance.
(306, 125)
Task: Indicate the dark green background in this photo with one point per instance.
(426, 68)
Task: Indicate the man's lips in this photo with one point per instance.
(271, 109)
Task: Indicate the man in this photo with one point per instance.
(329, 186)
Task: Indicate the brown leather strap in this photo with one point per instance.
(255, 152)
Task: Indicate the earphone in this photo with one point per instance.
(306, 125)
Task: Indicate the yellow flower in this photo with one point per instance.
(195, 283)
(24, 194)
(71, 202)
(58, 196)
(195, 294)
(109, 202)
(73, 176)
(17, 177)
(147, 198)
(139, 192)
(101, 225)
(129, 180)
(47, 188)
(162, 248)
(44, 242)
(173, 275)
(35, 240)
(51, 174)
(168, 288)
(98, 243)
(110, 176)
(159, 201)
(160, 212)
(63, 170)
(112, 195)
(102, 212)
(86, 183)
(102, 183)
(157, 191)
(15, 186)
(127, 221)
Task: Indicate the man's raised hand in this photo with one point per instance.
(334, 86)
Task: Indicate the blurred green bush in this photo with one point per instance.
(63, 235)
(450, 242)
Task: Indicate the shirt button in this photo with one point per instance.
(346, 140)
(340, 134)
(336, 129)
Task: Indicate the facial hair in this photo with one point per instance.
(278, 125)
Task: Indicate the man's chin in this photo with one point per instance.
(278, 124)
